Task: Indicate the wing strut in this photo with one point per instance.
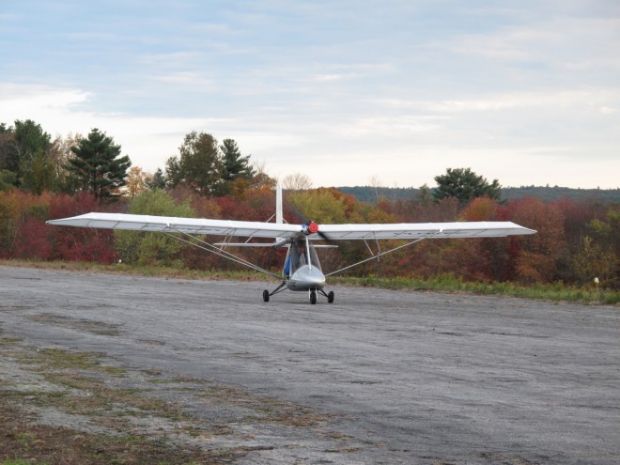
(208, 247)
(374, 257)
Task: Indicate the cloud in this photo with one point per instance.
(170, 59)
(493, 102)
(341, 92)
(404, 147)
(575, 42)
(18, 99)
(331, 77)
(389, 126)
(185, 79)
(60, 111)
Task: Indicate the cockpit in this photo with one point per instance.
(298, 256)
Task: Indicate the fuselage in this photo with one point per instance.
(306, 278)
(302, 268)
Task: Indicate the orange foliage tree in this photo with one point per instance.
(535, 257)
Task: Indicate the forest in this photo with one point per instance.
(578, 240)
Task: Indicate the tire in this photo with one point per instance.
(330, 297)
(266, 295)
(313, 297)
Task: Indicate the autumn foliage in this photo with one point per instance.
(576, 241)
(23, 233)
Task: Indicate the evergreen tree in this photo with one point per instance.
(7, 180)
(235, 164)
(199, 166)
(424, 195)
(97, 166)
(9, 159)
(174, 176)
(25, 151)
(158, 181)
(465, 185)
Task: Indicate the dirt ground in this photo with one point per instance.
(98, 368)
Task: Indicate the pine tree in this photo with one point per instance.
(199, 166)
(158, 181)
(465, 185)
(235, 165)
(97, 166)
(25, 151)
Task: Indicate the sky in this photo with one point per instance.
(384, 92)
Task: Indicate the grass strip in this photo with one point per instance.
(557, 292)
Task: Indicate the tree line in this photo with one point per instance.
(41, 178)
(30, 160)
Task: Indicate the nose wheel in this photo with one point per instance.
(313, 297)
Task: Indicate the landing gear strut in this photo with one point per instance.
(330, 295)
(267, 294)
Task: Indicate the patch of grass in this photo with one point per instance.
(59, 359)
(267, 409)
(25, 440)
(86, 392)
(447, 283)
(21, 462)
(103, 400)
(80, 371)
(157, 271)
(26, 443)
(92, 326)
(162, 432)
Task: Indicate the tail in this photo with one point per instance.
(279, 215)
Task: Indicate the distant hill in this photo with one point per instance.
(371, 194)
(555, 193)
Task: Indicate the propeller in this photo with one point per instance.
(312, 228)
(309, 226)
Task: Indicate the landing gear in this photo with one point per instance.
(330, 296)
(267, 294)
(312, 294)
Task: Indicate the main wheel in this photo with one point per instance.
(330, 297)
(266, 295)
(313, 297)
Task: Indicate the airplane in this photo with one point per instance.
(302, 270)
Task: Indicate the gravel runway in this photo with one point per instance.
(405, 377)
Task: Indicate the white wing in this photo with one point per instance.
(176, 224)
(335, 232)
(410, 231)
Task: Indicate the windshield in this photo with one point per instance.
(298, 258)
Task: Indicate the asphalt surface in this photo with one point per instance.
(408, 377)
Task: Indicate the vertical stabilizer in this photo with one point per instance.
(279, 215)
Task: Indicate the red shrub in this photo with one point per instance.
(32, 241)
